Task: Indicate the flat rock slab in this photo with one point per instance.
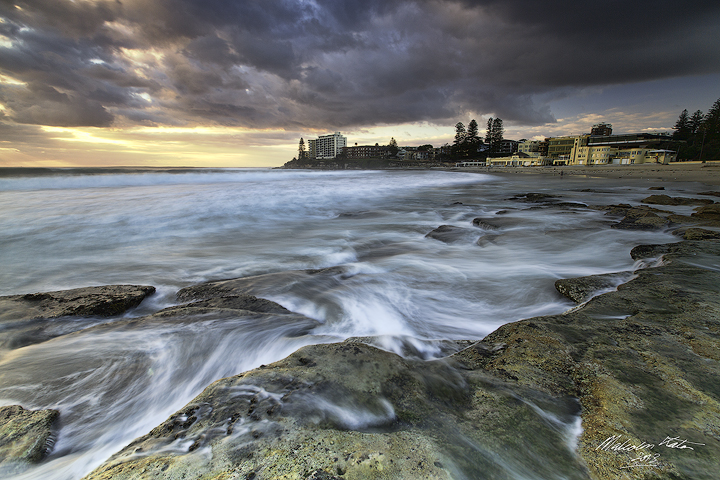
(581, 289)
(102, 301)
(708, 212)
(38, 317)
(668, 200)
(449, 234)
(535, 197)
(694, 233)
(484, 224)
(266, 284)
(26, 436)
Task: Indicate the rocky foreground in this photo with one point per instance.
(638, 365)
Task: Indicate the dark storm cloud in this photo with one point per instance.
(334, 63)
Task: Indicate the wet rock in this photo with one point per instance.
(580, 289)
(355, 411)
(26, 436)
(676, 250)
(697, 234)
(102, 301)
(656, 188)
(641, 220)
(250, 303)
(714, 194)
(259, 285)
(488, 239)
(37, 317)
(481, 223)
(642, 360)
(535, 197)
(449, 233)
(667, 200)
(708, 212)
(636, 218)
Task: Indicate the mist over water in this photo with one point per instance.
(115, 381)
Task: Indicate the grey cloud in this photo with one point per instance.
(339, 63)
(43, 105)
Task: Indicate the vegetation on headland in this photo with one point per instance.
(467, 145)
(699, 134)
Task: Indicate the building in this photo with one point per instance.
(626, 149)
(312, 148)
(366, 151)
(530, 148)
(601, 129)
(327, 146)
(519, 159)
(560, 148)
(507, 147)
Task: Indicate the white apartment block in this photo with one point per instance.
(329, 146)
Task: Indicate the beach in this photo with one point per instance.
(708, 173)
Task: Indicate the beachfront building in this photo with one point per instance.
(312, 148)
(327, 146)
(560, 148)
(529, 147)
(519, 159)
(626, 149)
(366, 151)
(506, 147)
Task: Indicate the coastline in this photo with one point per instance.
(708, 173)
(653, 330)
(638, 365)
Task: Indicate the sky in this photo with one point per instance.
(237, 83)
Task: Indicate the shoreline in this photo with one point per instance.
(624, 361)
(707, 173)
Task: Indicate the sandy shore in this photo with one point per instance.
(708, 173)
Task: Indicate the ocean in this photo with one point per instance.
(172, 228)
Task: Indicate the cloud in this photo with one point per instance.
(331, 64)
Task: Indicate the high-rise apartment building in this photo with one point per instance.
(328, 146)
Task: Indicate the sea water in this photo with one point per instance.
(171, 228)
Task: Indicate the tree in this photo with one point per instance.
(472, 132)
(488, 131)
(682, 126)
(460, 134)
(695, 122)
(425, 148)
(711, 133)
(393, 147)
(497, 135)
(301, 149)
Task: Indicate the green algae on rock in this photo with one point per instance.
(26, 436)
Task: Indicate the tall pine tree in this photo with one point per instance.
(472, 133)
(711, 133)
(696, 121)
(301, 150)
(460, 134)
(497, 134)
(682, 126)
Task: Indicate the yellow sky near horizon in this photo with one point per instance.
(220, 146)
